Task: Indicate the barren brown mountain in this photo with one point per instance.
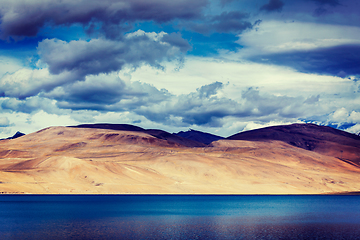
(124, 159)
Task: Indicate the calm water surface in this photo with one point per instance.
(179, 217)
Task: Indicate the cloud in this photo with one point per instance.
(4, 122)
(81, 57)
(354, 117)
(321, 10)
(354, 129)
(29, 123)
(285, 69)
(9, 65)
(104, 56)
(342, 115)
(72, 61)
(175, 39)
(205, 107)
(26, 18)
(343, 119)
(278, 93)
(30, 105)
(106, 92)
(29, 82)
(333, 3)
(277, 37)
(265, 105)
(225, 2)
(99, 90)
(230, 22)
(202, 107)
(273, 5)
(339, 61)
(306, 47)
(312, 99)
(209, 90)
(226, 22)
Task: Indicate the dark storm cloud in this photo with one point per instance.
(224, 2)
(82, 57)
(141, 98)
(339, 61)
(321, 10)
(106, 93)
(175, 39)
(333, 3)
(226, 22)
(231, 22)
(97, 56)
(273, 5)
(94, 92)
(25, 18)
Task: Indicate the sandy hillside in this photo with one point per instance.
(83, 160)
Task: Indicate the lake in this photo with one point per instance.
(179, 217)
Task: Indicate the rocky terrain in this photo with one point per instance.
(125, 159)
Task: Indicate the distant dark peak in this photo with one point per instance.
(174, 138)
(198, 136)
(193, 130)
(322, 129)
(301, 128)
(306, 136)
(190, 130)
(16, 135)
(160, 134)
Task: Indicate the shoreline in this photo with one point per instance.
(182, 194)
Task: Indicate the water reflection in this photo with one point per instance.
(179, 217)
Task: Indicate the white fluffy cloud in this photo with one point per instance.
(4, 122)
(9, 65)
(342, 115)
(29, 82)
(279, 36)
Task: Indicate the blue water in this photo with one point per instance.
(178, 217)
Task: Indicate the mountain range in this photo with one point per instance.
(126, 159)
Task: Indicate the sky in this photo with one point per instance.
(219, 66)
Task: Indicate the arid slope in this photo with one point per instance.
(91, 160)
